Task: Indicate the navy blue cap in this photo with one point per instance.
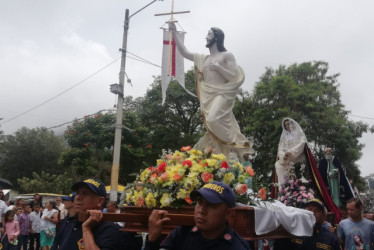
(69, 197)
(96, 186)
(315, 202)
(215, 192)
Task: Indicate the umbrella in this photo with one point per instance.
(5, 184)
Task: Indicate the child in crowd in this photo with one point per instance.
(24, 226)
(36, 221)
(18, 212)
(9, 240)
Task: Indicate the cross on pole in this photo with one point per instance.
(171, 13)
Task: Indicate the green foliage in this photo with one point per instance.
(46, 183)
(307, 94)
(28, 151)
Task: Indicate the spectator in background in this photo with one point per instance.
(49, 221)
(24, 226)
(356, 229)
(3, 209)
(36, 222)
(18, 211)
(37, 199)
(9, 240)
(61, 208)
(112, 207)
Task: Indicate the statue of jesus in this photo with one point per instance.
(218, 79)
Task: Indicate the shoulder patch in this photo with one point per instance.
(297, 241)
(322, 246)
(80, 244)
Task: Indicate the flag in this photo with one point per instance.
(176, 63)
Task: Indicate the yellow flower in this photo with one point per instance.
(211, 162)
(144, 176)
(129, 197)
(182, 193)
(165, 200)
(159, 161)
(227, 178)
(195, 152)
(220, 157)
(150, 200)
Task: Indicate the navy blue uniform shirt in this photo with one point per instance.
(107, 235)
(321, 239)
(190, 238)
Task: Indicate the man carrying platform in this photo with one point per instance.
(93, 233)
(321, 238)
(212, 230)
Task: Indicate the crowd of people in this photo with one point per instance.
(56, 225)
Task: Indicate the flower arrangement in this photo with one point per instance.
(178, 173)
(295, 193)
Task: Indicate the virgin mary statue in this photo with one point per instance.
(290, 148)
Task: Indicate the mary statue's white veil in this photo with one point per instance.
(293, 140)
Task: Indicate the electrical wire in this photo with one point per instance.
(63, 92)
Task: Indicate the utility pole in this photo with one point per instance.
(118, 127)
(120, 93)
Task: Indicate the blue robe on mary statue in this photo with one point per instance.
(344, 188)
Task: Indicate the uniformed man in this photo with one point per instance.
(321, 238)
(212, 230)
(93, 233)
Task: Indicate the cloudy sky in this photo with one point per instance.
(47, 47)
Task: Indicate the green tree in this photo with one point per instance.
(47, 183)
(307, 94)
(176, 123)
(28, 151)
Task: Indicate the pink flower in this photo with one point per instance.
(241, 188)
(153, 177)
(207, 176)
(165, 177)
(302, 188)
(168, 157)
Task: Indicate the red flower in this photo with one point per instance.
(186, 148)
(188, 163)
(152, 169)
(241, 188)
(130, 146)
(161, 168)
(188, 200)
(149, 146)
(224, 165)
(86, 144)
(96, 116)
(207, 176)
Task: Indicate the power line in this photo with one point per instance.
(363, 117)
(63, 92)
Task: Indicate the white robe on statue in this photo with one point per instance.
(216, 104)
(293, 142)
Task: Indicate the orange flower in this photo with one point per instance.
(186, 148)
(250, 171)
(177, 177)
(188, 200)
(207, 176)
(140, 201)
(241, 188)
(262, 194)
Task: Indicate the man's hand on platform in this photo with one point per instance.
(93, 220)
(155, 222)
